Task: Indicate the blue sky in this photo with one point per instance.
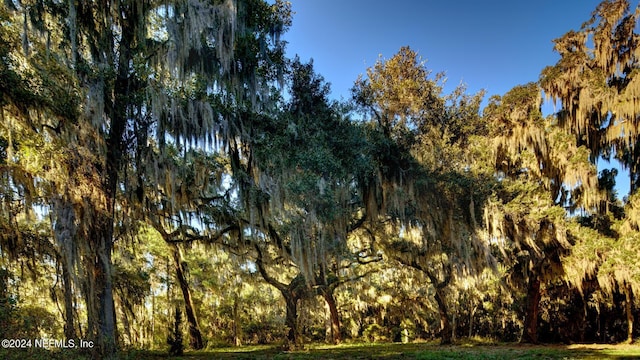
(492, 45)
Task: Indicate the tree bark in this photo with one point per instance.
(472, 313)
(445, 322)
(236, 322)
(99, 234)
(291, 292)
(100, 313)
(294, 292)
(64, 231)
(336, 336)
(628, 293)
(195, 336)
(530, 333)
(583, 318)
(291, 320)
(69, 328)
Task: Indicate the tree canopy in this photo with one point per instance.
(165, 167)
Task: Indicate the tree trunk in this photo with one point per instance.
(336, 336)
(236, 322)
(291, 320)
(583, 318)
(69, 328)
(195, 336)
(628, 292)
(98, 286)
(454, 323)
(600, 333)
(64, 232)
(291, 292)
(153, 317)
(530, 333)
(445, 322)
(472, 313)
(294, 292)
(99, 292)
(117, 103)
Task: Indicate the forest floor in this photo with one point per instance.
(384, 351)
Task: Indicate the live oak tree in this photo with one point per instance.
(423, 184)
(309, 170)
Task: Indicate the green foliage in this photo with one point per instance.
(400, 95)
(133, 285)
(26, 321)
(375, 333)
(33, 322)
(7, 307)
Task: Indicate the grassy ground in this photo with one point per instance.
(417, 351)
(425, 351)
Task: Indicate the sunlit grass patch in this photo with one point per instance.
(610, 351)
